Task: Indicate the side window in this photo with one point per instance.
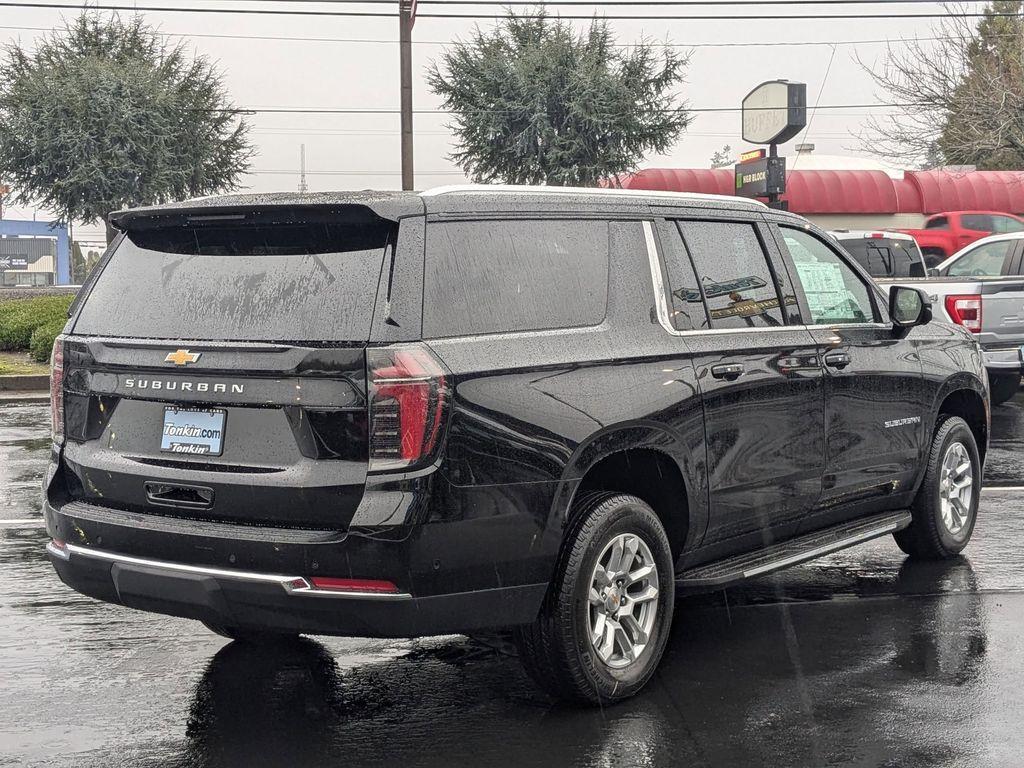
(733, 273)
(685, 302)
(938, 222)
(835, 293)
(984, 261)
(514, 275)
(1007, 224)
(978, 222)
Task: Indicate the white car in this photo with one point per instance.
(993, 256)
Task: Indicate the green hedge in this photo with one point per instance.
(41, 343)
(19, 318)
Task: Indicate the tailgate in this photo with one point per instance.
(217, 369)
(1002, 319)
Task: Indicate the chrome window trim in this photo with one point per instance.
(287, 583)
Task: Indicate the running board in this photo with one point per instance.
(722, 573)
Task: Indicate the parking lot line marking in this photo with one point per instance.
(1004, 488)
(24, 522)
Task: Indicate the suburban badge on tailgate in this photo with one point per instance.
(183, 386)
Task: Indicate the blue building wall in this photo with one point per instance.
(15, 228)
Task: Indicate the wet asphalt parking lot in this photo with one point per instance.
(860, 659)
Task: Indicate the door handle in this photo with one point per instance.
(727, 371)
(837, 359)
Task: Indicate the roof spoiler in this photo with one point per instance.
(269, 210)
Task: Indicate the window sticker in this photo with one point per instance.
(827, 296)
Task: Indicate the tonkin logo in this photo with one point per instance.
(182, 357)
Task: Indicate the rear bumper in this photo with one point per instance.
(1002, 359)
(283, 603)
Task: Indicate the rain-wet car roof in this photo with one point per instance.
(441, 200)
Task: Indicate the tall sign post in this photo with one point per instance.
(406, 18)
(773, 113)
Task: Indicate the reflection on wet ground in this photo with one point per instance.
(861, 659)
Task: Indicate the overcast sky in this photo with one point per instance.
(362, 151)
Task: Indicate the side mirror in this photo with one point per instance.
(909, 307)
(933, 272)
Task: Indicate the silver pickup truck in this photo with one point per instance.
(992, 308)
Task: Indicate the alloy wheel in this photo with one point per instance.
(622, 604)
(956, 488)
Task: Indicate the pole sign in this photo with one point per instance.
(774, 112)
(761, 178)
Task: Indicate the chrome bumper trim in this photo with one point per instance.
(293, 585)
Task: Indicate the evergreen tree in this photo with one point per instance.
(103, 114)
(537, 103)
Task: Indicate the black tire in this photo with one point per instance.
(556, 649)
(1003, 386)
(253, 636)
(928, 536)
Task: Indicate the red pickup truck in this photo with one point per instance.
(946, 233)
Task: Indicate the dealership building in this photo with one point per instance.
(839, 192)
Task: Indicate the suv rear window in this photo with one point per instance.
(886, 257)
(312, 281)
(514, 275)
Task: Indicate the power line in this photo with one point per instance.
(631, 17)
(384, 111)
(748, 44)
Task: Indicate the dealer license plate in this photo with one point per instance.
(193, 431)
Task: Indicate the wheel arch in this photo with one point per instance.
(646, 460)
(966, 396)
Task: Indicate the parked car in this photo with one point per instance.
(993, 256)
(883, 254)
(946, 233)
(982, 289)
(399, 414)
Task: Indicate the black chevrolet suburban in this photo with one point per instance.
(493, 408)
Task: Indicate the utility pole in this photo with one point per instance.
(406, 18)
(303, 186)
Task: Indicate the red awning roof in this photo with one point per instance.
(860, 192)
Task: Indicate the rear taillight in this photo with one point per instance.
(409, 397)
(965, 310)
(57, 391)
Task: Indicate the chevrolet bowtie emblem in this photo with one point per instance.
(182, 357)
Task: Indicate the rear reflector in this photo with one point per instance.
(372, 586)
(408, 392)
(965, 310)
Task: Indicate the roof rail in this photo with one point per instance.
(543, 190)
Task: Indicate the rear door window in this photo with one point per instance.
(938, 222)
(1006, 224)
(685, 301)
(733, 273)
(282, 282)
(979, 222)
(500, 276)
